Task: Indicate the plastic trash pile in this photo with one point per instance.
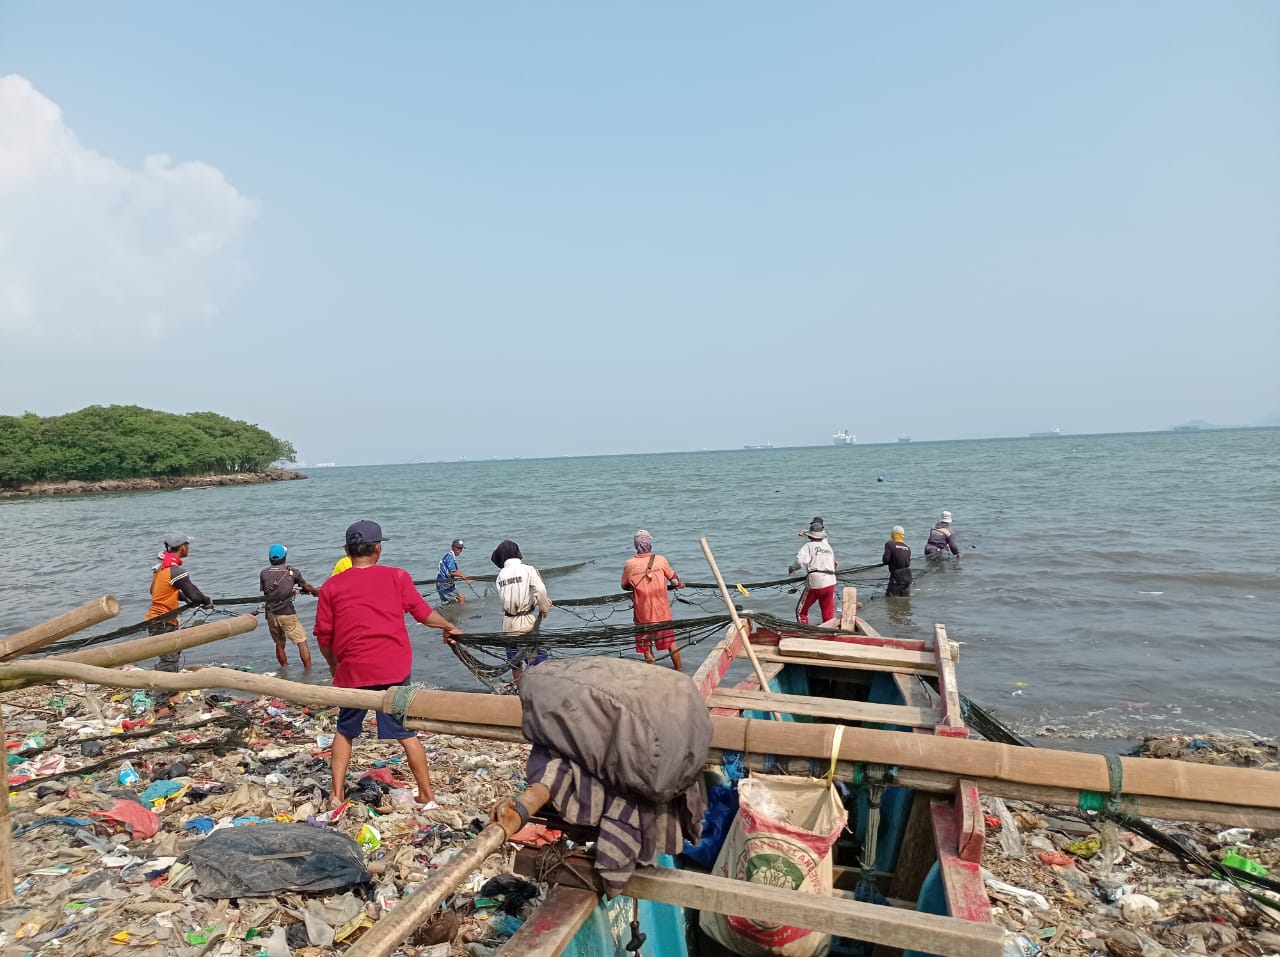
(200, 826)
(1069, 883)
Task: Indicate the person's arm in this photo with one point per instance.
(626, 582)
(672, 576)
(417, 606)
(888, 553)
(951, 541)
(459, 573)
(187, 588)
(303, 585)
(323, 629)
(799, 562)
(449, 629)
(539, 591)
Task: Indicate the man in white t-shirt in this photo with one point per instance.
(818, 559)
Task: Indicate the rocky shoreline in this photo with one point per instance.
(76, 487)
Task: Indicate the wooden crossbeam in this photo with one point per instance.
(876, 923)
(552, 926)
(923, 662)
(824, 708)
(952, 722)
(842, 664)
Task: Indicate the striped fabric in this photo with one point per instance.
(631, 832)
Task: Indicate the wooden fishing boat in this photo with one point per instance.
(926, 846)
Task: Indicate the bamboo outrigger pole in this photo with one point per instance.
(68, 623)
(737, 622)
(394, 928)
(1246, 796)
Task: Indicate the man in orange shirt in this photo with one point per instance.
(646, 577)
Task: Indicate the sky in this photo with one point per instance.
(426, 231)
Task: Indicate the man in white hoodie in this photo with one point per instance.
(818, 559)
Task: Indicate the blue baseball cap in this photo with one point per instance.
(276, 553)
(365, 533)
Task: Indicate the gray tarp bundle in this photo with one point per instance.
(267, 859)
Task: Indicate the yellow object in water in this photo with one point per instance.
(745, 593)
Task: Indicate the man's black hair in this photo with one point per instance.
(363, 550)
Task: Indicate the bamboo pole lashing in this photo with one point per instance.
(68, 623)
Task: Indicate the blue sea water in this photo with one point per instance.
(1110, 586)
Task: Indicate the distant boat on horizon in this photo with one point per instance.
(767, 445)
(904, 438)
(1187, 428)
(1051, 434)
(844, 438)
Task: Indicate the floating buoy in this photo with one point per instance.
(880, 479)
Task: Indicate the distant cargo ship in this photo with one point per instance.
(1186, 428)
(904, 439)
(1051, 434)
(844, 438)
(767, 445)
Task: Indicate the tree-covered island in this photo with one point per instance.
(114, 443)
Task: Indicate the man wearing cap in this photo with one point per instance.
(279, 583)
(361, 633)
(170, 583)
(646, 576)
(818, 559)
(941, 538)
(897, 556)
(446, 587)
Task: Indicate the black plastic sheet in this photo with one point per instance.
(268, 859)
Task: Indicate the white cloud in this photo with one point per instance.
(91, 248)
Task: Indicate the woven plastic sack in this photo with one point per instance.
(781, 837)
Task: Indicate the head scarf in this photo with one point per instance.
(507, 550)
(898, 534)
(643, 542)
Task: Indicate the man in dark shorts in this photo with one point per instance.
(361, 633)
(279, 582)
(170, 584)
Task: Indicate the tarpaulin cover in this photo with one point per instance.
(266, 859)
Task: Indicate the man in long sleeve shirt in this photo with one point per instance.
(170, 583)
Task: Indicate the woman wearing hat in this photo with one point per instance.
(941, 537)
(818, 559)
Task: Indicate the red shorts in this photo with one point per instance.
(664, 639)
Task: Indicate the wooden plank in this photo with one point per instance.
(888, 926)
(68, 623)
(718, 661)
(552, 926)
(771, 670)
(952, 723)
(917, 853)
(835, 663)
(849, 609)
(836, 915)
(824, 708)
(924, 662)
(966, 894)
(971, 825)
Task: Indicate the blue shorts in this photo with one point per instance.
(538, 658)
(447, 595)
(351, 720)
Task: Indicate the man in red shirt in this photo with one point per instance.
(361, 633)
(646, 577)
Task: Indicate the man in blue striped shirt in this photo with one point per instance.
(448, 574)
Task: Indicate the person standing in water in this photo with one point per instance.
(170, 583)
(941, 538)
(525, 604)
(646, 576)
(448, 576)
(897, 555)
(279, 582)
(818, 559)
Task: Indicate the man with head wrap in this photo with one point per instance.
(897, 555)
(525, 604)
(170, 585)
(646, 576)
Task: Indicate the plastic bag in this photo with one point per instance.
(270, 858)
(790, 847)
